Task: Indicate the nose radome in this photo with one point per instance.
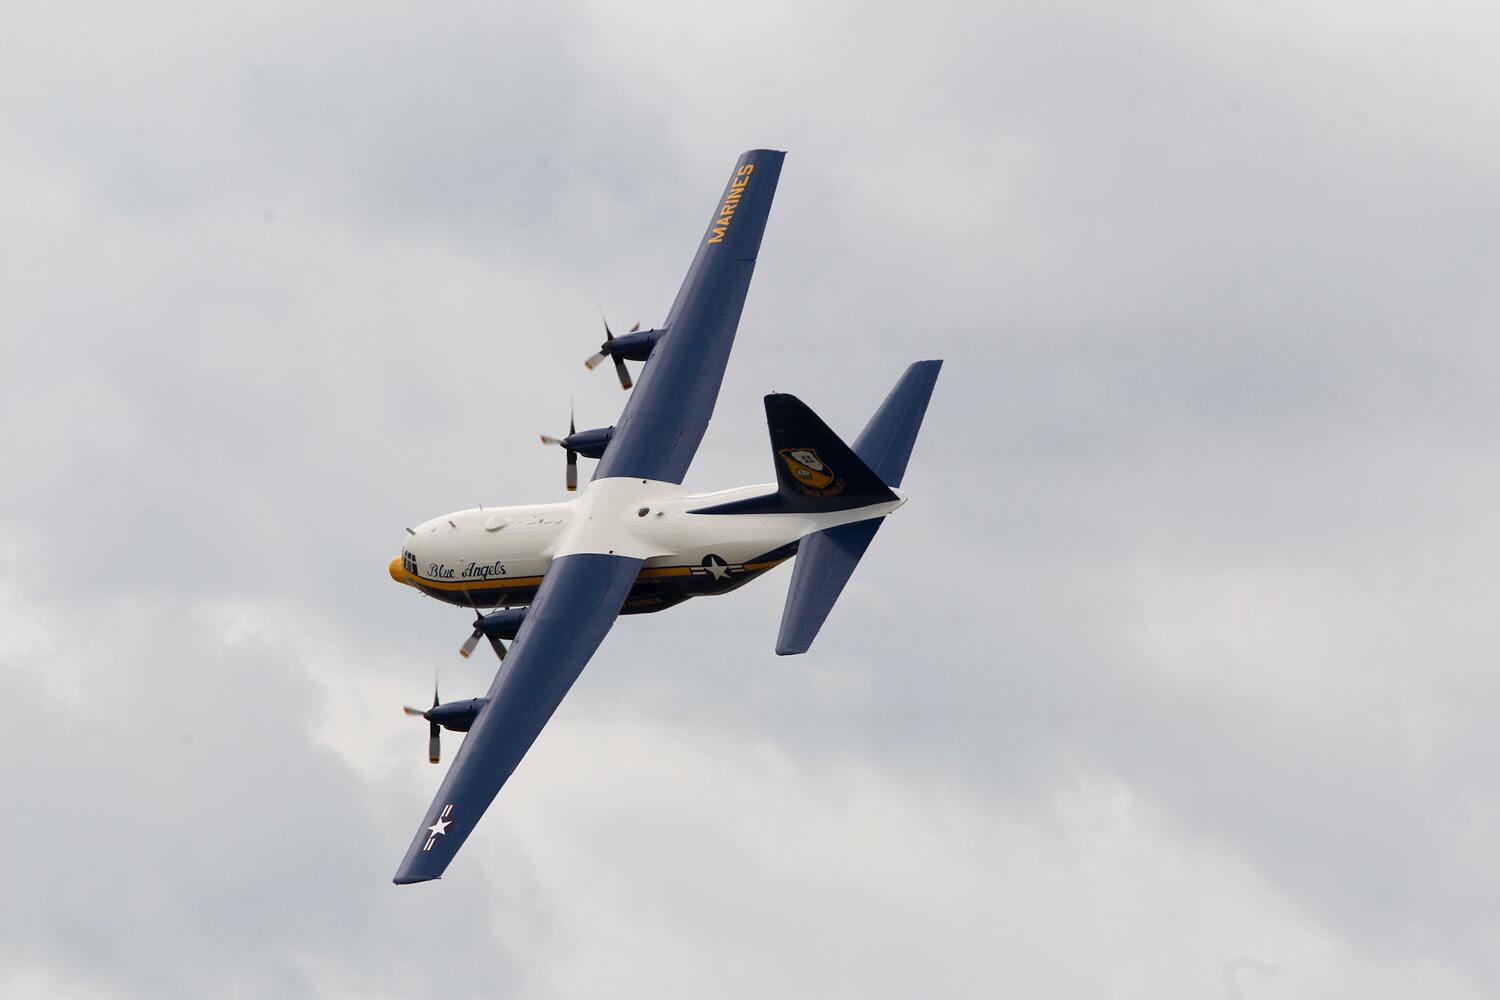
(398, 571)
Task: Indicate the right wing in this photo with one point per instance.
(668, 411)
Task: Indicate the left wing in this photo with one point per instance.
(578, 601)
(667, 414)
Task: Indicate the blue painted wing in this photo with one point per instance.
(669, 409)
(573, 611)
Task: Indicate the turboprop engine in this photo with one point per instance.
(589, 444)
(494, 626)
(456, 716)
(635, 346)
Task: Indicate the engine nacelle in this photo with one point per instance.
(457, 715)
(635, 346)
(589, 444)
(503, 624)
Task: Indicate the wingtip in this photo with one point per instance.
(413, 879)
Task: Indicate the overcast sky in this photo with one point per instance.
(1176, 678)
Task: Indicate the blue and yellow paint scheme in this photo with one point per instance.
(656, 587)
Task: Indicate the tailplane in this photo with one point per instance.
(886, 442)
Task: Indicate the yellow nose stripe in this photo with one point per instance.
(398, 572)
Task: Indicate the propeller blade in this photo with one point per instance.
(636, 328)
(604, 350)
(549, 439)
(434, 751)
(622, 372)
(473, 640)
(572, 471)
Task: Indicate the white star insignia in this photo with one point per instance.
(439, 828)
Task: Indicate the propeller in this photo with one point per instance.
(473, 640)
(606, 350)
(434, 743)
(572, 455)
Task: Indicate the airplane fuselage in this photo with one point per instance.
(497, 556)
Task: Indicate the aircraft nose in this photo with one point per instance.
(398, 571)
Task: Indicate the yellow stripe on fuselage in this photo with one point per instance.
(510, 581)
(400, 575)
(660, 571)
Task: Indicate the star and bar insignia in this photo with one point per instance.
(440, 827)
(718, 567)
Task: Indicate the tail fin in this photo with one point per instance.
(826, 559)
(815, 470)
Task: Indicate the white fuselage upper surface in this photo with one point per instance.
(644, 519)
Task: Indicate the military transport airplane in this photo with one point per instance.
(634, 540)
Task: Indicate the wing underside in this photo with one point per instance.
(578, 602)
(669, 409)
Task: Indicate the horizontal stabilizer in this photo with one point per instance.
(826, 559)
(886, 442)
